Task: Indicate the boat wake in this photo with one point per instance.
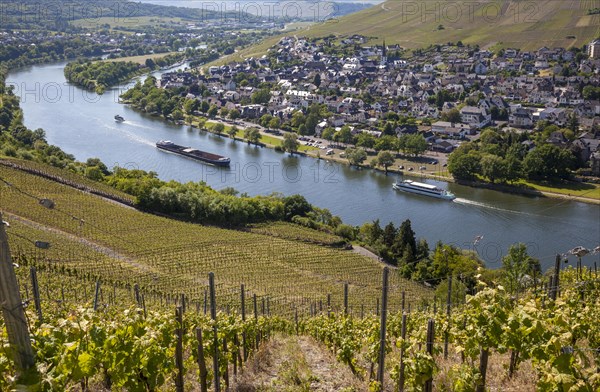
(460, 200)
(131, 136)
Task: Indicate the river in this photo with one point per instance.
(82, 123)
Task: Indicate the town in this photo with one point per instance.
(446, 93)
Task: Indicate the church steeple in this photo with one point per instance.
(384, 54)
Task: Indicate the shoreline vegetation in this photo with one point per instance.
(98, 75)
(520, 188)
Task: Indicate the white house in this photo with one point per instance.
(476, 117)
(452, 129)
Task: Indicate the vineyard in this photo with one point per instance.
(94, 238)
(535, 342)
(117, 299)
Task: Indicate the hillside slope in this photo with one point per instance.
(522, 24)
(96, 238)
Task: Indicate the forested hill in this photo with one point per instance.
(20, 14)
(511, 23)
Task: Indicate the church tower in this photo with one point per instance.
(384, 58)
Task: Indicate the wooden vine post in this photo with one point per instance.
(201, 362)
(12, 308)
(554, 286)
(179, 349)
(36, 293)
(345, 298)
(448, 310)
(382, 332)
(402, 364)
(213, 315)
(243, 304)
(430, 339)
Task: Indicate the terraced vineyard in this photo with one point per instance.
(94, 238)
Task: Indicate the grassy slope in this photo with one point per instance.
(527, 25)
(122, 245)
(140, 59)
(511, 23)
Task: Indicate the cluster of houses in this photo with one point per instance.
(512, 88)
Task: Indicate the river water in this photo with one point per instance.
(82, 124)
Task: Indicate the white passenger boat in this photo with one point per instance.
(423, 189)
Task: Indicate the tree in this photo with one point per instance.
(94, 173)
(365, 140)
(452, 115)
(548, 162)
(262, 96)
(442, 97)
(177, 115)
(232, 131)
(415, 144)
(386, 143)
(298, 118)
(311, 123)
(234, 114)
(150, 63)
(513, 166)
(356, 156)
(405, 246)
(328, 133)
(385, 159)
(389, 129)
(290, 142)
(204, 106)
(302, 130)
(389, 234)
(190, 105)
(591, 93)
(317, 80)
(252, 135)
(295, 205)
(464, 164)
(96, 162)
(494, 168)
(218, 128)
(371, 232)
(212, 112)
(275, 123)
(516, 265)
(344, 135)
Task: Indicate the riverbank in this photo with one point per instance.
(433, 171)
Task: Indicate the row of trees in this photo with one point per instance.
(200, 203)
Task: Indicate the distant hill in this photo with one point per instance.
(34, 14)
(508, 23)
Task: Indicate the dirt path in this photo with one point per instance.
(365, 252)
(291, 363)
(329, 373)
